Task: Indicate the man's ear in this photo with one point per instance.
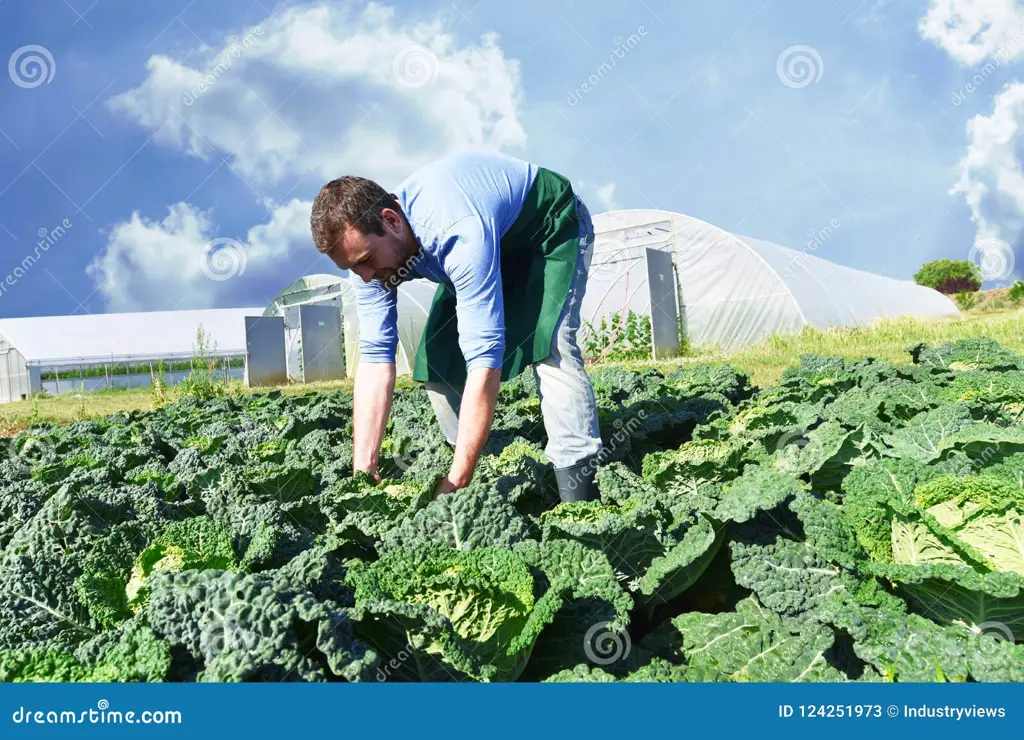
(393, 219)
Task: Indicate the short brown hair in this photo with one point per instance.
(348, 202)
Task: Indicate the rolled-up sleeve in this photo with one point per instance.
(474, 267)
(378, 321)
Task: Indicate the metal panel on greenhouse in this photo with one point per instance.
(661, 280)
(265, 362)
(323, 356)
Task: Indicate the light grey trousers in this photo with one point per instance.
(566, 395)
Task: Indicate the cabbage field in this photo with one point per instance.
(860, 521)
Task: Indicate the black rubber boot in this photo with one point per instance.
(576, 483)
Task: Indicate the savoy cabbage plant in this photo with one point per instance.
(860, 520)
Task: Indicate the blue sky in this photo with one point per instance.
(176, 136)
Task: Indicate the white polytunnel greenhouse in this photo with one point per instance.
(729, 291)
(414, 300)
(92, 351)
(733, 290)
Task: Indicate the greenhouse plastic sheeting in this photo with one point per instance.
(55, 341)
(414, 300)
(734, 290)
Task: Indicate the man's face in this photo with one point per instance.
(374, 257)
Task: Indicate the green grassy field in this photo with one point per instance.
(886, 339)
(764, 362)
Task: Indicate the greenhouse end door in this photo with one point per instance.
(661, 281)
(323, 357)
(264, 351)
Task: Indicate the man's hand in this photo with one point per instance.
(476, 413)
(372, 397)
(372, 470)
(445, 487)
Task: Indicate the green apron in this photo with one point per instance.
(538, 262)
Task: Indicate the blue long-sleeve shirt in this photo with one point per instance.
(458, 207)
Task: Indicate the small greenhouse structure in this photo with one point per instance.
(34, 351)
(733, 290)
(336, 291)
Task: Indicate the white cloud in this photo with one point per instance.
(328, 90)
(606, 197)
(167, 264)
(991, 175)
(974, 30)
(599, 198)
(322, 90)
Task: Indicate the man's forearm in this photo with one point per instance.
(371, 406)
(476, 413)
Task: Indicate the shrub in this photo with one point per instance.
(966, 301)
(200, 383)
(160, 394)
(619, 338)
(1016, 293)
(950, 276)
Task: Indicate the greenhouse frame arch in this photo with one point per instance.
(734, 290)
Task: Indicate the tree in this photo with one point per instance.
(1016, 293)
(950, 276)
